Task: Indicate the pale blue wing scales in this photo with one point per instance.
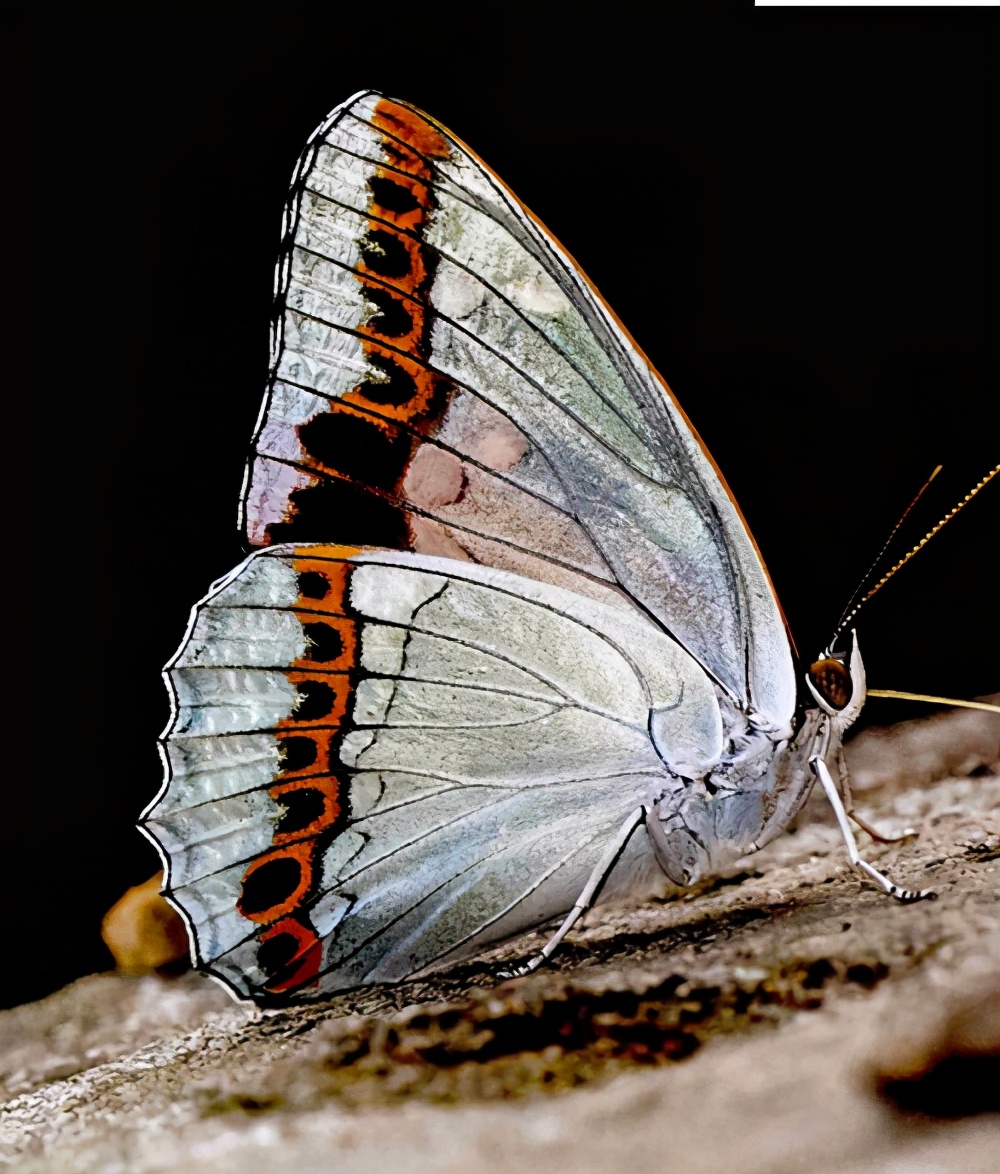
(510, 814)
(599, 659)
(445, 881)
(450, 893)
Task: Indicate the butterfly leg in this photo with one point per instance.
(819, 769)
(845, 787)
(602, 870)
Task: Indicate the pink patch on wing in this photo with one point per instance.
(434, 478)
(268, 499)
(430, 537)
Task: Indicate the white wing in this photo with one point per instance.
(382, 760)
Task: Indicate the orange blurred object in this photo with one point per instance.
(142, 931)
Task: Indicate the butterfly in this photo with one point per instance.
(504, 630)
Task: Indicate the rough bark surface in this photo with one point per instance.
(787, 1017)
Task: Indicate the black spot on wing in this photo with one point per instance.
(323, 642)
(297, 753)
(343, 513)
(390, 385)
(384, 253)
(313, 585)
(391, 195)
(357, 447)
(276, 953)
(393, 319)
(315, 700)
(270, 884)
(303, 807)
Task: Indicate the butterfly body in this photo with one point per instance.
(506, 630)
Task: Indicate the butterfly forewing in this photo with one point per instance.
(446, 381)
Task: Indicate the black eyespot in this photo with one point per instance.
(385, 254)
(323, 642)
(358, 447)
(303, 807)
(393, 319)
(276, 953)
(296, 754)
(315, 700)
(389, 383)
(344, 513)
(313, 585)
(391, 195)
(269, 885)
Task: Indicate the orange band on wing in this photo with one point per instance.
(412, 128)
(354, 459)
(309, 791)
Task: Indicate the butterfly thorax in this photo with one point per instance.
(762, 780)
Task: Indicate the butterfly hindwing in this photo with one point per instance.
(380, 760)
(445, 381)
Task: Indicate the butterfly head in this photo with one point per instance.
(836, 681)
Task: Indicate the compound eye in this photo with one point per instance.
(832, 681)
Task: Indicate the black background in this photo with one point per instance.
(793, 212)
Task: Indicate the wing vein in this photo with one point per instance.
(533, 327)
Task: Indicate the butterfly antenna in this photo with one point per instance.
(878, 558)
(988, 706)
(919, 546)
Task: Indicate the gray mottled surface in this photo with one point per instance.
(795, 993)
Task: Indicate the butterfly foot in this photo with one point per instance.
(903, 896)
(523, 969)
